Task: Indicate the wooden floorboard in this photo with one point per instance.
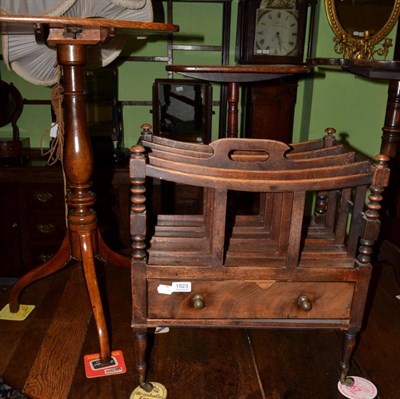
(204, 363)
(20, 341)
(51, 376)
(378, 352)
(117, 284)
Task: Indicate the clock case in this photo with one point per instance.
(247, 12)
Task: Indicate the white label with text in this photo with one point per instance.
(176, 286)
(182, 286)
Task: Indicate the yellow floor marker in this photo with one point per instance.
(23, 312)
(158, 392)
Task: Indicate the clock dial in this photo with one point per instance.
(276, 32)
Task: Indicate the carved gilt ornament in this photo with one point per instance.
(361, 43)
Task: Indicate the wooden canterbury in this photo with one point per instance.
(302, 260)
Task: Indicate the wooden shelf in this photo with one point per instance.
(372, 69)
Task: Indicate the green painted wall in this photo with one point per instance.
(353, 105)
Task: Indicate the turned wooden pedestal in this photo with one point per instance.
(83, 241)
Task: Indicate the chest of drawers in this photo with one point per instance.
(32, 212)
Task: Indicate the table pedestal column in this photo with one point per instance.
(83, 241)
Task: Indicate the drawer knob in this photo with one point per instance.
(304, 303)
(198, 302)
(44, 197)
(46, 228)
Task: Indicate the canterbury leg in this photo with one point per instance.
(349, 343)
(140, 354)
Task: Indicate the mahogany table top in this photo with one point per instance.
(239, 73)
(14, 24)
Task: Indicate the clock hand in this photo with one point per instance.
(279, 39)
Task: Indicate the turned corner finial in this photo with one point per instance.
(381, 160)
(330, 131)
(146, 128)
(329, 138)
(137, 149)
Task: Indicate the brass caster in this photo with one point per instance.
(348, 381)
(148, 386)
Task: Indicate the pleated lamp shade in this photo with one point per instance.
(37, 63)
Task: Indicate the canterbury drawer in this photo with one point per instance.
(252, 300)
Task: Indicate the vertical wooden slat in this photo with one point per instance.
(292, 257)
(217, 231)
(266, 210)
(341, 223)
(358, 206)
(282, 219)
(331, 211)
(208, 198)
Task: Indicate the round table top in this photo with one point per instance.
(239, 73)
(16, 24)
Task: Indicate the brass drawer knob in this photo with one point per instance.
(198, 302)
(44, 197)
(304, 303)
(46, 228)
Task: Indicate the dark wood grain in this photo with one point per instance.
(287, 363)
(50, 379)
(204, 364)
(22, 340)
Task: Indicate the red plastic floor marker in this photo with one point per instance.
(93, 368)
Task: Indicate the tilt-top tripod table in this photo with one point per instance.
(83, 241)
(234, 75)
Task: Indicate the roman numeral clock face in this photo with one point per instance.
(276, 32)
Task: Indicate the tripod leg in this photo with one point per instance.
(88, 264)
(60, 259)
(109, 256)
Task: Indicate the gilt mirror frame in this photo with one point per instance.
(361, 47)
